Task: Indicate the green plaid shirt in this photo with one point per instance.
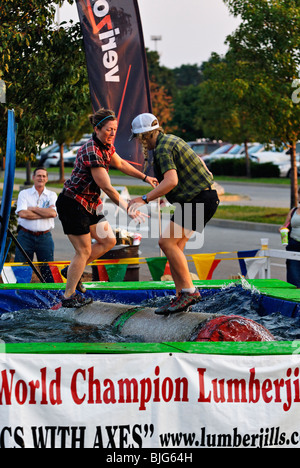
(172, 152)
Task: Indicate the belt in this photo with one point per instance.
(36, 234)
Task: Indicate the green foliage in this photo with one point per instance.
(268, 40)
(232, 102)
(188, 75)
(174, 96)
(48, 90)
(186, 114)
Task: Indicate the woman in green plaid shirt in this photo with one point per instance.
(187, 183)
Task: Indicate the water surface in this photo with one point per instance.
(48, 326)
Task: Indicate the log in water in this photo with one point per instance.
(188, 326)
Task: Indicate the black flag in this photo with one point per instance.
(117, 66)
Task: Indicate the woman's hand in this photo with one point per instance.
(134, 213)
(152, 181)
(134, 204)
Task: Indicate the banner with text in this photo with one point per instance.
(117, 66)
(149, 401)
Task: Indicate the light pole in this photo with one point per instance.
(156, 39)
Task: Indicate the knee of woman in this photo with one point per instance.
(162, 244)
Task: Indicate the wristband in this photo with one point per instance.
(144, 180)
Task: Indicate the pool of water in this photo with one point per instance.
(48, 326)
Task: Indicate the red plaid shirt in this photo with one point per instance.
(81, 185)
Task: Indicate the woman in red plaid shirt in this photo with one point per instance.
(79, 205)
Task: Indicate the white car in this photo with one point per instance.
(42, 156)
(280, 158)
(253, 148)
(285, 167)
(234, 152)
(53, 157)
(220, 153)
(274, 155)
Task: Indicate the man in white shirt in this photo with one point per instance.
(36, 209)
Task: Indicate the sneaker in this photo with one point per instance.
(183, 302)
(79, 286)
(76, 301)
(163, 310)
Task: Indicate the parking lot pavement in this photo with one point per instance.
(259, 195)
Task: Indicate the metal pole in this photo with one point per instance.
(159, 223)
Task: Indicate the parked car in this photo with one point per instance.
(42, 156)
(222, 150)
(203, 147)
(285, 167)
(273, 154)
(234, 152)
(86, 137)
(52, 158)
(254, 148)
(50, 155)
(239, 151)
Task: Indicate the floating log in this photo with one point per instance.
(142, 322)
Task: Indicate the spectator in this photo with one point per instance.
(293, 224)
(36, 211)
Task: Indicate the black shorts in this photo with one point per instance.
(76, 220)
(194, 215)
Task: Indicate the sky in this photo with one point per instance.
(191, 29)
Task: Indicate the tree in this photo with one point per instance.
(68, 131)
(186, 113)
(160, 74)
(47, 90)
(162, 88)
(187, 75)
(162, 104)
(68, 89)
(23, 28)
(268, 40)
(232, 102)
